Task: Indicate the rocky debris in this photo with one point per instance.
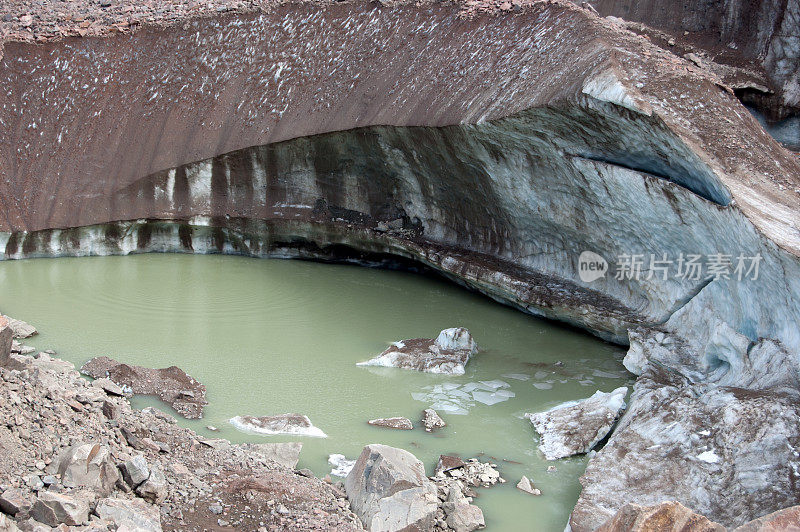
(577, 427)
(293, 424)
(41, 432)
(402, 423)
(172, 385)
(728, 453)
(471, 472)
(447, 354)
(88, 465)
(525, 485)
(669, 515)
(20, 328)
(457, 511)
(129, 514)
(7, 524)
(388, 490)
(341, 465)
(286, 454)
(54, 509)
(431, 420)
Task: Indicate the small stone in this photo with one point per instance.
(154, 489)
(111, 410)
(216, 508)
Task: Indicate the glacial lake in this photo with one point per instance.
(274, 336)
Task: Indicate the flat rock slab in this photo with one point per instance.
(576, 427)
(20, 328)
(402, 423)
(293, 424)
(172, 385)
(447, 354)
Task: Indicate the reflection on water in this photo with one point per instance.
(269, 337)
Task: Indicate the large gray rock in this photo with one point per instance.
(135, 471)
(388, 490)
(576, 427)
(728, 453)
(6, 338)
(285, 453)
(130, 514)
(447, 354)
(53, 509)
(154, 489)
(88, 465)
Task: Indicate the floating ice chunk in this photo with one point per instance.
(488, 398)
(341, 465)
(517, 376)
(539, 375)
(450, 386)
(399, 345)
(495, 384)
(505, 393)
(294, 424)
(542, 385)
(606, 374)
(709, 457)
(470, 386)
(419, 396)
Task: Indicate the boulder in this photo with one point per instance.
(667, 516)
(285, 453)
(786, 520)
(465, 517)
(431, 420)
(53, 509)
(88, 465)
(6, 338)
(130, 514)
(388, 490)
(294, 424)
(13, 501)
(20, 328)
(154, 489)
(401, 423)
(447, 354)
(576, 427)
(109, 386)
(525, 485)
(135, 471)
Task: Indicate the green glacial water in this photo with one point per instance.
(270, 336)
